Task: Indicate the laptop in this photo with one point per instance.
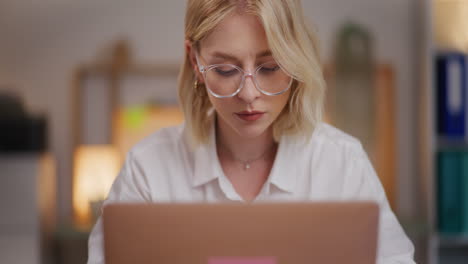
(261, 233)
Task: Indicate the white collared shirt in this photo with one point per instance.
(330, 166)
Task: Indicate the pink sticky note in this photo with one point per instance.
(242, 260)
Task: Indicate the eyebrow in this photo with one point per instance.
(227, 56)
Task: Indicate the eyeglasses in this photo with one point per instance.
(227, 80)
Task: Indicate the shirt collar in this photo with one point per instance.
(283, 173)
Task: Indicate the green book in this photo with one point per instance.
(449, 196)
(464, 194)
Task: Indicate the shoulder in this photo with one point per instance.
(336, 164)
(347, 160)
(328, 148)
(330, 137)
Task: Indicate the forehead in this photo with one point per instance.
(239, 34)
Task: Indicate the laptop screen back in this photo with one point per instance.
(265, 233)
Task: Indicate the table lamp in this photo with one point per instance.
(95, 168)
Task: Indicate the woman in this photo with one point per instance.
(252, 92)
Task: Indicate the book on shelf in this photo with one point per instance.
(451, 95)
(452, 190)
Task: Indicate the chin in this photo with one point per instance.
(252, 131)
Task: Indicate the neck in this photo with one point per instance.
(243, 148)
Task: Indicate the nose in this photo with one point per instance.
(249, 91)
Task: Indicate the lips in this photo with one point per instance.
(250, 115)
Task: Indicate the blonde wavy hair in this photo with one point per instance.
(293, 46)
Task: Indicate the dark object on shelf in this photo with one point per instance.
(71, 245)
(10, 106)
(18, 131)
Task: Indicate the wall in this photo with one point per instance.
(43, 41)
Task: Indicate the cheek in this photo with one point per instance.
(214, 101)
(281, 101)
(220, 105)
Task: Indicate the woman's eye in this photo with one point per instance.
(226, 72)
(269, 69)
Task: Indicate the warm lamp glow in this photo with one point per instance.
(451, 24)
(96, 167)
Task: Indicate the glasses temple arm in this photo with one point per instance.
(201, 68)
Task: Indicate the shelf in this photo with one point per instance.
(450, 241)
(452, 144)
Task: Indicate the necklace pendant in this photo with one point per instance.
(246, 166)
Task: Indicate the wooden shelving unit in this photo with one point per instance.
(440, 248)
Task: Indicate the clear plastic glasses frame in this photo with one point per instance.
(204, 70)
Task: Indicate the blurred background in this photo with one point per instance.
(82, 81)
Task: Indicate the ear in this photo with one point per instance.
(190, 51)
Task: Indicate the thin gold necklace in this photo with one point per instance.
(246, 163)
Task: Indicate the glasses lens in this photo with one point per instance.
(223, 80)
(272, 79)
